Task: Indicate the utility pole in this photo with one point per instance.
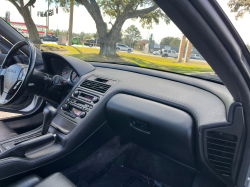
(70, 23)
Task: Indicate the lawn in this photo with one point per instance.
(155, 62)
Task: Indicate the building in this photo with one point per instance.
(40, 28)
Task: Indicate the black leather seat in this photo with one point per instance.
(6, 132)
(55, 180)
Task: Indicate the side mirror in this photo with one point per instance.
(27, 3)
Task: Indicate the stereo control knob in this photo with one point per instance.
(95, 99)
(76, 93)
(82, 115)
(65, 107)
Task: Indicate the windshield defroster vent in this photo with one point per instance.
(220, 151)
(96, 86)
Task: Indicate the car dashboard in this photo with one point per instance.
(188, 120)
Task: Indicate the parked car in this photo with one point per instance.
(92, 42)
(157, 52)
(195, 56)
(49, 38)
(169, 53)
(122, 47)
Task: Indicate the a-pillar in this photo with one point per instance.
(188, 51)
(181, 49)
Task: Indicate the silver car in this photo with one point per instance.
(122, 47)
(157, 52)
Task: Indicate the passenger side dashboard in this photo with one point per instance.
(173, 115)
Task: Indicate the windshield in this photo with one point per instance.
(147, 38)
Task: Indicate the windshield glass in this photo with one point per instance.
(140, 35)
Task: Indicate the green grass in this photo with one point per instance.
(155, 62)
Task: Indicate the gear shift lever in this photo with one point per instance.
(48, 113)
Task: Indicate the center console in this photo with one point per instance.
(58, 122)
(80, 103)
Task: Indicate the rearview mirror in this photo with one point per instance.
(27, 3)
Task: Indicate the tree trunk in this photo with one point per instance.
(33, 33)
(109, 40)
(108, 47)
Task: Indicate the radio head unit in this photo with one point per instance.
(86, 96)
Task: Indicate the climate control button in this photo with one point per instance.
(95, 99)
(76, 93)
(82, 115)
(65, 107)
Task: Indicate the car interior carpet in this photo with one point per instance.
(97, 161)
(115, 175)
(133, 158)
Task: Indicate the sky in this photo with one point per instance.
(84, 22)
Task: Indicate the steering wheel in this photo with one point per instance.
(15, 78)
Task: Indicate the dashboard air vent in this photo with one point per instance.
(96, 86)
(220, 149)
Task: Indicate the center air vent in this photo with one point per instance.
(220, 149)
(96, 86)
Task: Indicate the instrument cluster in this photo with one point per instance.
(64, 70)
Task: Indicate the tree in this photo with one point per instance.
(119, 38)
(126, 40)
(170, 40)
(25, 13)
(81, 35)
(240, 7)
(88, 36)
(119, 11)
(166, 40)
(175, 42)
(58, 32)
(133, 34)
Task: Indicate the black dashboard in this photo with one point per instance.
(174, 115)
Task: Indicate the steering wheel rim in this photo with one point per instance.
(14, 79)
